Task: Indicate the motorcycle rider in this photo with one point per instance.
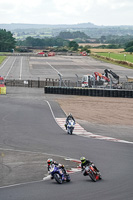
(85, 162)
(69, 117)
(51, 162)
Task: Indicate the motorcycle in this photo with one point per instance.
(91, 171)
(70, 126)
(57, 174)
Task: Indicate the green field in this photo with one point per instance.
(119, 56)
(2, 58)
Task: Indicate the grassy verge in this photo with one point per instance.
(2, 58)
(115, 61)
(118, 56)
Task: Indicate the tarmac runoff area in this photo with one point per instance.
(20, 167)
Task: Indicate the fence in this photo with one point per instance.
(54, 82)
(32, 83)
(127, 85)
(41, 83)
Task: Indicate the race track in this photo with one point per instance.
(28, 124)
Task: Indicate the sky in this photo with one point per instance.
(98, 12)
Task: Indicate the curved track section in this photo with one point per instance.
(27, 124)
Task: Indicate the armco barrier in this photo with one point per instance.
(89, 92)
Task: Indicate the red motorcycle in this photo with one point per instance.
(91, 171)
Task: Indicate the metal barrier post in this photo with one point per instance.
(60, 81)
(38, 82)
(77, 80)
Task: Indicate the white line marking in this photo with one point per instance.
(53, 114)
(8, 186)
(10, 68)
(46, 178)
(36, 152)
(50, 109)
(20, 76)
(54, 68)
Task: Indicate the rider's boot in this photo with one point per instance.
(63, 178)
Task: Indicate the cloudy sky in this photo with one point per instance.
(99, 12)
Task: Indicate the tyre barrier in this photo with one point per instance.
(98, 92)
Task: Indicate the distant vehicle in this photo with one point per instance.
(41, 53)
(51, 54)
(114, 75)
(2, 86)
(99, 79)
(84, 53)
(2, 82)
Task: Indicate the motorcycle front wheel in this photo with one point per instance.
(93, 177)
(68, 131)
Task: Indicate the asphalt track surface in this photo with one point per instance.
(23, 68)
(27, 124)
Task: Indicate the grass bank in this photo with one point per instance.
(2, 58)
(124, 60)
(118, 56)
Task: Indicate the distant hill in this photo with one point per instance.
(21, 31)
(15, 26)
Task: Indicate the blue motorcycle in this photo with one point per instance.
(70, 126)
(57, 174)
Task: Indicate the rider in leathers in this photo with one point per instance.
(50, 163)
(85, 163)
(69, 117)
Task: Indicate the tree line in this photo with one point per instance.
(7, 41)
(72, 35)
(45, 42)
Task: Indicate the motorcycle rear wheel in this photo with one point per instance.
(68, 178)
(58, 178)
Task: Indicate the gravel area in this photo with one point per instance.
(106, 111)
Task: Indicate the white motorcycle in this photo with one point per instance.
(70, 126)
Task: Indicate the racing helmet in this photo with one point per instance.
(83, 159)
(70, 114)
(50, 161)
